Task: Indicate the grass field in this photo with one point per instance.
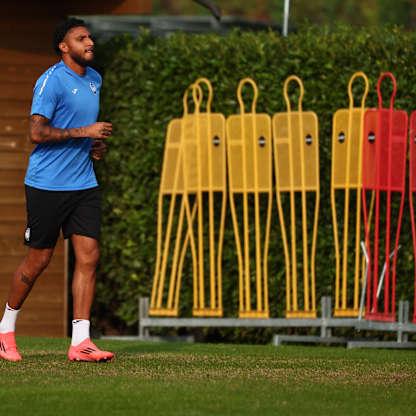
(207, 379)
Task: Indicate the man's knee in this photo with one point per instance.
(88, 258)
(36, 261)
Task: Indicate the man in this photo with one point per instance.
(61, 188)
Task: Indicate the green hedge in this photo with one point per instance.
(144, 79)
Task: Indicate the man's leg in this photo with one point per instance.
(26, 274)
(23, 280)
(87, 254)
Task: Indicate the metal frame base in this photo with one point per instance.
(326, 323)
(381, 344)
(307, 339)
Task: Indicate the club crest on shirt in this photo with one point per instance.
(93, 87)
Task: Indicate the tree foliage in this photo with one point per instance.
(329, 12)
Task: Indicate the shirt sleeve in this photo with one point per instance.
(45, 96)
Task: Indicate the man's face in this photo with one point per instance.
(79, 45)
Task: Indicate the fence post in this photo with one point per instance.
(326, 306)
(143, 313)
(403, 320)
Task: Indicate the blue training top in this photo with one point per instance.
(68, 100)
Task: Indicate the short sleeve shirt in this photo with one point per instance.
(68, 100)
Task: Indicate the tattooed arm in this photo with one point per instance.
(42, 132)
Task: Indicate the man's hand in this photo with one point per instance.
(100, 130)
(98, 149)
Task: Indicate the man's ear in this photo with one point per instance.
(63, 47)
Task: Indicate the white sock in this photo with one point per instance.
(80, 331)
(8, 323)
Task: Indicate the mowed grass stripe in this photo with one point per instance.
(207, 379)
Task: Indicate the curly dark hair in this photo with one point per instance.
(62, 29)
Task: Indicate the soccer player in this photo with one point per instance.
(61, 187)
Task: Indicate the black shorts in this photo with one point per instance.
(75, 212)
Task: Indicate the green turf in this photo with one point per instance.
(206, 379)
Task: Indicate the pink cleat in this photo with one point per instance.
(88, 351)
(8, 348)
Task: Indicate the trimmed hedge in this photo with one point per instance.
(145, 78)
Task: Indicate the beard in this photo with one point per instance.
(80, 60)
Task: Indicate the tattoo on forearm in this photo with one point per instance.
(27, 280)
(42, 132)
